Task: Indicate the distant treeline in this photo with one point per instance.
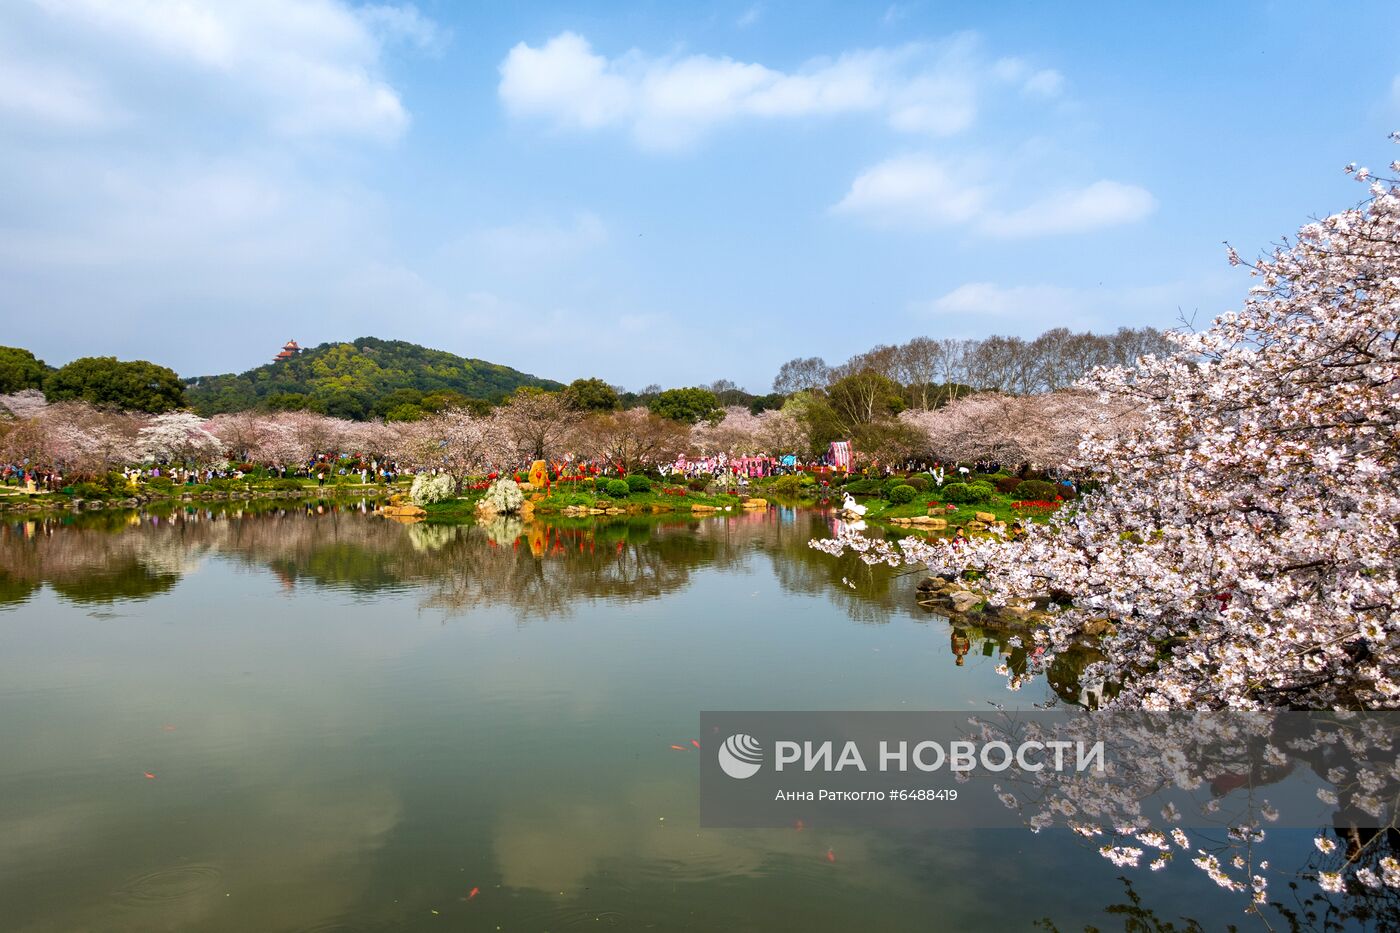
(393, 380)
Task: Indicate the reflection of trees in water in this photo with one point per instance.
(536, 569)
(91, 565)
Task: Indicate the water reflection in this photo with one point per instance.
(352, 723)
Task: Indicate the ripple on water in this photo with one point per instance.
(342, 926)
(168, 884)
(563, 918)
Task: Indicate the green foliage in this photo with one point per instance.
(686, 405)
(134, 385)
(1007, 484)
(968, 493)
(20, 370)
(698, 483)
(885, 440)
(1037, 490)
(617, 489)
(919, 481)
(863, 397)
(865, 487)
(789, 486)
(771, 402)
(636, 482)
(367, 377)
(591, 395)
(902, 494)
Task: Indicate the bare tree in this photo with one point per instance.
(803, 373)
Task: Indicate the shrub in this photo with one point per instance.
(505, 496)
(865, 487)
(1037, 489)
(698, 483)
(636, 482)
(968, 493)
(428, 488)
(617, 489)
(787, 486)
(918, 481)
(1007, 484)
(899, 495)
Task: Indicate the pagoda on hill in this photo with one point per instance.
(289, 350)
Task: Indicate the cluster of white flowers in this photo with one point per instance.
(504, 496)
(428, 488)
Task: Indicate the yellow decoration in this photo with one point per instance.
(539, 472)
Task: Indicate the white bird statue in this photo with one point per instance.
(849, 506)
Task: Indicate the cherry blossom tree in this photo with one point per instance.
(456, 442)
(1244, 551)
(634, 439)
(179, 437)
(536, 423)
(1040, 430)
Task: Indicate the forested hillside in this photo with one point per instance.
(368, 377)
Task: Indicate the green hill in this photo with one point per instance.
(365, 378)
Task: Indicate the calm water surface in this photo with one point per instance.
(298, 721)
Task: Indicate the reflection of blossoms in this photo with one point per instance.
(1168, 771)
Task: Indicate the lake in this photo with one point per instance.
(309, 718)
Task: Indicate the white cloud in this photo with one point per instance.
(1101, 204)
(51, 95)
(1045, 83)
(913, 191)
(309, 67)
(749, 16)
(987, 299)
(532, 246)
(921, 192)
(1031, 309)
(668, 102)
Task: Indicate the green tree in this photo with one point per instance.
(20, 370)
(864, 397)
(591, 395)
(134, 385)
(686, 405)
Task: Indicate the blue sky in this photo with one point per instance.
(657, 192)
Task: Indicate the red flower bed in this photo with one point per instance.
(1041, 504)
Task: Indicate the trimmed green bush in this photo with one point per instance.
(968, 493)
(899, 495)
(617, 489)
(636, 482)
(787, 486)
(1036, 489)
(698, 483)
(865, 487)
(919, 481)
(1007, 484)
